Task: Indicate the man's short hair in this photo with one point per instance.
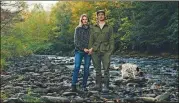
(100, 11)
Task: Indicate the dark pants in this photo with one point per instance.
(78, 59)
(97, 58)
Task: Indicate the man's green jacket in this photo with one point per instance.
(101, 40)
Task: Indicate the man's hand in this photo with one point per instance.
(86, 50)
(90, 51)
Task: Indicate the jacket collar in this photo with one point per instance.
(97, 24)
(85, 26)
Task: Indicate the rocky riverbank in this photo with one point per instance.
(47, 78)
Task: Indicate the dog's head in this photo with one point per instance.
(139, 72)
(137, 69)
(120, 67)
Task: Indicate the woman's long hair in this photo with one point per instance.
(81, 17)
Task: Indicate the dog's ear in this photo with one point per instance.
(137, 69)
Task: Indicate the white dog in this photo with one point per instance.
(129, 70)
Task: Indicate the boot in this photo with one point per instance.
(74, 88)
(105, 89)
(97, 87)
(106, 82)
(106, 86)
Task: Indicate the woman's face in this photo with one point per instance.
(84, 20)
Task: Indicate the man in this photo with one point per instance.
(102, 45)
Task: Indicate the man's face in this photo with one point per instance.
(84, 20)
(101, 16)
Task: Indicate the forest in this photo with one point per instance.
(143, 27)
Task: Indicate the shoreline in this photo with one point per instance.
(148, 55)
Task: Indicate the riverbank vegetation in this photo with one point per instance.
(143, 27)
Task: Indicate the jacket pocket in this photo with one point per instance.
(104, 46)
(95, 46)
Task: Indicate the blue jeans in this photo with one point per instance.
(78, 59)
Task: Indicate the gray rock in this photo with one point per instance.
(40, 90)
(90, 94)
(35, 74)
(147, 99)
(150, 95)
(159, 98)
(69, 93)
(93, 92)
(44, 68)
(46, 78)
(132, 84)
(19, 84)
(63, 77)
(54, 89)
(114, 73)
(5, 77)
(137, 80)
(54, 84)
(28, 69)
(40, 84)
(77, 99)
(155, 85)
(110, 101)
(108, 96)
(52, 94)
(26, 77)
(8, 87)
(20, 95)
(165, 95)
(18, 89)
(13, 100)
(118, 81)
(112, 86)
(47, 73)
(51, 99)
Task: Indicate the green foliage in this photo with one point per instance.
(28, 36)
(4, 95)
(155, 26)
(36, 29)
(20, 77)
(31, 99)
(139, 26)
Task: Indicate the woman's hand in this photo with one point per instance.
(86, 50)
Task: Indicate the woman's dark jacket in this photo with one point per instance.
(81, 37)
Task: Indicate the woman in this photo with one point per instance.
(81, 38)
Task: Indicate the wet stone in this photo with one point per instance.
(52, 99)
(52, 81)
(77, 99)
(132, 84)
(150, 95)
(53, 89)
(5, 77)
(18, 89)
(13, 100)
(114, 73)
(69, 93)
(40, 90)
